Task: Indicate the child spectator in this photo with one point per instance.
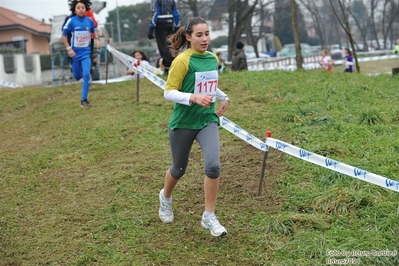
(326, 62)
(221, 65)
(159, 64)
(140, 56)
(348, 61)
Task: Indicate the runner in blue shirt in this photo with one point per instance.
(79, 50)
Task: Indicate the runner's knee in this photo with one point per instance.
(212, 171)
(176, 172)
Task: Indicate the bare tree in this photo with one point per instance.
(324, 21)
(257, 29)
(378, 17)
(389, 14)
(240, 14)
(343, 21)
(395, 25)
(373, 5)
(294, 20)
(193, 5)
(315, 14)
(361, 20)
(195, 8)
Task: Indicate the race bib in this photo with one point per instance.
(82, 38)
(206, 83)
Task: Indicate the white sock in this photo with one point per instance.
(166, 199)
(208, 214)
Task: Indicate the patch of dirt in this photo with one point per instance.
(241, 177)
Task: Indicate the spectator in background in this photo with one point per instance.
(90, 14)
(140, 56)
(221, 65)
(159, 64)
(165, 20)
(69, 36)
(325, 61)
(94, 72)
(348, 61)
(239, 61)
(396, 49)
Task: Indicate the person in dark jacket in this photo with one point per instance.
(165, 20)
(239, 59)
(348, 61)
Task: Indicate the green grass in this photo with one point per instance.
(80, 186)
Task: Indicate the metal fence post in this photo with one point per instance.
(262, 174)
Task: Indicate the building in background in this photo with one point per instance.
(20, 31)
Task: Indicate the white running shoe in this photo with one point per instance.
(214, 226)
(165, 209)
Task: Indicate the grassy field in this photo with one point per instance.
(80, 186)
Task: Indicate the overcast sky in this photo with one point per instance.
(46, 9)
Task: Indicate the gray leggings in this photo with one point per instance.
(181, 141)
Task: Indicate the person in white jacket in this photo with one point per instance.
(325, 61)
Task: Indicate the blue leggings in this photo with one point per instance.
(181, 141)
(81, 69)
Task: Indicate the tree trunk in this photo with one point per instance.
(373, 5)
(315, 14)
(345, 26)
(294, 20)
(240, 14)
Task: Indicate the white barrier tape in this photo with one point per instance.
(367, 59)
(141, 69)
(242, 134)
(377, 74)
(130, 61)
(153, 78)
(122, 57)
(314, 65)
(374, 58)
(309, 156)
(287, 148)
(113, 80)
(9, 84)
(333, 165)
(307, 66)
